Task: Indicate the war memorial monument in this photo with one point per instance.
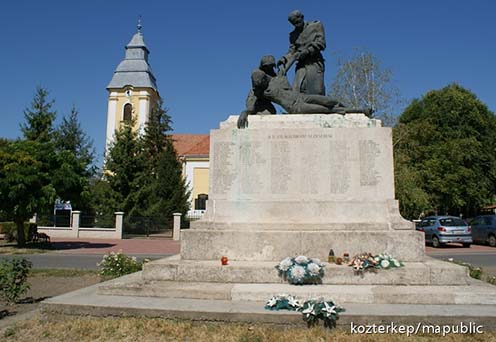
(316, 178)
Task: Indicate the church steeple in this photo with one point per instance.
(133, 88)
(134, 69)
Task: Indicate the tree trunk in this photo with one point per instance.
(21, 238)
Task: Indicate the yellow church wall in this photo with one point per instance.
(200, 183)
(120, 96)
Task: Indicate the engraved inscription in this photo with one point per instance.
(369, 151)
(339, 167)
(223, 168)
(280, 172)
(252, 164)
(310, 171)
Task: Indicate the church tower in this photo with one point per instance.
(132, 90)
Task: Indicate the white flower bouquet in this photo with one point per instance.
(301, 270)
(312, 310)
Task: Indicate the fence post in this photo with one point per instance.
(176, 231)
(119, 218)
(75, 222)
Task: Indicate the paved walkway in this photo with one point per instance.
(104, 246)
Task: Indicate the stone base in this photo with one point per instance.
(429, 272)
(266, 245)
(477, 293)
(428, 282)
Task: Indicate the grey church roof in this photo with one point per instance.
(134, 69)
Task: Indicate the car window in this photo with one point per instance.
(487, 220)
(422, 223)
(452, 222)
(431, 222)
(477, 221)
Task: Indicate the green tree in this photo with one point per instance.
(448, 140)
(123, 165)
(361, 82)
(75, 154)
(71, 137)
(161, 189)
(39, 118)
(25, 185)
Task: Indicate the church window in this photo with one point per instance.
(128, 112)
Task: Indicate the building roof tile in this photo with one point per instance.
(191, 144)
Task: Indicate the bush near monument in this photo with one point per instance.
(115, 265)
(13, 279)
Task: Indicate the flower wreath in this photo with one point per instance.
(301, 270)
(312, 310)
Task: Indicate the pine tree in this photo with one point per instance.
(39, 118)
(74, 157)
(161, 187)
(71, 137)
(123, 165)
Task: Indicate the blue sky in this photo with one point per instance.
(202, 52)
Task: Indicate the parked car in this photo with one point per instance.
(484, 229)
(445, 229)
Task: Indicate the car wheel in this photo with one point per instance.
(492, 240)
(466, 245)
(435, 242)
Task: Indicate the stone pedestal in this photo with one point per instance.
(301, 184)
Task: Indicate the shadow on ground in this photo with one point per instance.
(65, 245)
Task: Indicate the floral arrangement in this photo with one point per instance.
(364, 261)
(312, 310)
(301, 270)
(283, 302)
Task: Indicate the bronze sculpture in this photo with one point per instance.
(306, 42)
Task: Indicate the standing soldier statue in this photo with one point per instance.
(306, 43)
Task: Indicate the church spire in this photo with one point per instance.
(139, 25)
(134, 69)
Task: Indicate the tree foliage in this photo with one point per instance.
(144, 171)
(123, 164)
(445, 152)
(39, 118)
(361, 82)
(75, 154)
(25, 186)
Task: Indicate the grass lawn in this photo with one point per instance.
(143, 329)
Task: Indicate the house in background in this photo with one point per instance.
(193, 151)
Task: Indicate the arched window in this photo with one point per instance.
(128, 112)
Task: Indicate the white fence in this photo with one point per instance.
(75, 231)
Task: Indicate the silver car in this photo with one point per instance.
(484, 229)
(445, 229)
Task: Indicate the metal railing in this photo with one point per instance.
(63, 221)
(97, 221)
(147, 226)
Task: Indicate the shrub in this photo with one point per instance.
(115, 265)
(13, 278)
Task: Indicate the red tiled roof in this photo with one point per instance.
(191, 144)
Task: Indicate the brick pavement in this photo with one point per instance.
(103, 246)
